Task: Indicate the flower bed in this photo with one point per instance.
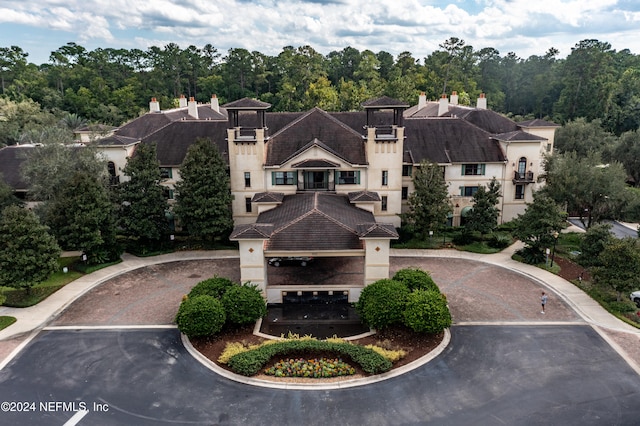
(311, 368)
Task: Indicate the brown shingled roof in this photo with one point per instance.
(315, 124)
(316, 221)
(450, 140)
(247, 103)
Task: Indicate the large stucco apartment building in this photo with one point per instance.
(325, 184)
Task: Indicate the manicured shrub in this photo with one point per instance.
(244, 304)
(381, 303)
(250, 362)
(200, 316)
(415, 279)
(427, 312)
(214, 287)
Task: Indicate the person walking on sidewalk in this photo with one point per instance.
(543, 301)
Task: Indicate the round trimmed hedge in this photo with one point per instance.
(381, 303)
(214, 287)
(416, 279)
(426, 311)
(244, 304)
(200, 316)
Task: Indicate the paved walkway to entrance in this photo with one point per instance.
(491, 289)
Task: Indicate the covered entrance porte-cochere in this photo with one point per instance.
(349, 249)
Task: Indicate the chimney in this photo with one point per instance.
(183, 101)
(454, 98)
(193, 108)
(422, 101)
(154, 105)
(443, 107)
(214, 103)
(482, 102)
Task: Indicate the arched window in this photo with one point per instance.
(522, 166)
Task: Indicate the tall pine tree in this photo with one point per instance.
(82, 218)
(203, 193)
(484, 215)
(28, 253)
(429, 203)
(143, 206)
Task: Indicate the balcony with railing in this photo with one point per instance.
(316, 186)
(522, 178)
(386, 133)
(244, 134)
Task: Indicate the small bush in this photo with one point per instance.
(381, 303)
(463, 238)
(499, 240)
(244, 304)
(531, 255)
(427, 312)
(622, 307)
(214, 287)
(200, 316)
(415, 279)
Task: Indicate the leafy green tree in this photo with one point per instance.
(7, 197)
(582, 137)
(627, 152)
(82, 218)
(590, 189)
(28, 253)
(429, 203)
(619, 266)
(593, 242)
(203, 193)
(483, 217)
(143, 207)
(537, 225)
(50, 165)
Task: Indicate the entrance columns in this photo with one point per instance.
(253, 264)
(376, 260)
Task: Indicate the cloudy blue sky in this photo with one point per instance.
(526, 27)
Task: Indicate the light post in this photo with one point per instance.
(555, 241)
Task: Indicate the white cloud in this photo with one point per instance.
(522, 26)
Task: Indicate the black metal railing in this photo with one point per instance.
(526, 177)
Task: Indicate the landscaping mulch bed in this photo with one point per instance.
(570, 270)
(416, 345)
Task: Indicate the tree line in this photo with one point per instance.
(111, 85)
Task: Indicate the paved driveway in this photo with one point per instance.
(506, 364)
(489, 375)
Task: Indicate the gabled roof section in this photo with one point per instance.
(321, 129)
(519, 136)
(247, 103)
(536, 122)
(316, 221)
(11, 160)
(173, 141)
(384, 102)
(449, 140)
(363, 197)
(253, 231)
(429, 110)
(268, 197)
(485, 119)
(377, 230)
(145, 125)
(317, 163)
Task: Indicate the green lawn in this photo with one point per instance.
(6, 321)
(22, 298)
